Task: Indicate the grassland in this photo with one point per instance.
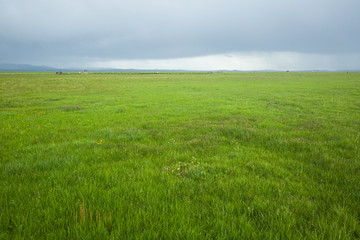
(180, 156)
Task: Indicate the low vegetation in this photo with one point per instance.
(180, 156)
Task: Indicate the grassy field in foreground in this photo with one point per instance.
(180, 156)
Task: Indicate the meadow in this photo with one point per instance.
(180, 156)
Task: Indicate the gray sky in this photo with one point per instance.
(182, 34)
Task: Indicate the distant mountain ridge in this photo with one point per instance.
(8, 67)
(24, 68)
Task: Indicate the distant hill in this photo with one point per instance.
(25, 68)
(30, 68)
(7, 67)
(135, 70)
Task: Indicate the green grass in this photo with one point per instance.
(180, 156)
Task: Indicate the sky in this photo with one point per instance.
(182, 34)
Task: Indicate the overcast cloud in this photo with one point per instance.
(186, 34)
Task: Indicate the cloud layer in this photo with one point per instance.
(63, 32)
(247, 61)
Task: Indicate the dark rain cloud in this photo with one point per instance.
(42, 30)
